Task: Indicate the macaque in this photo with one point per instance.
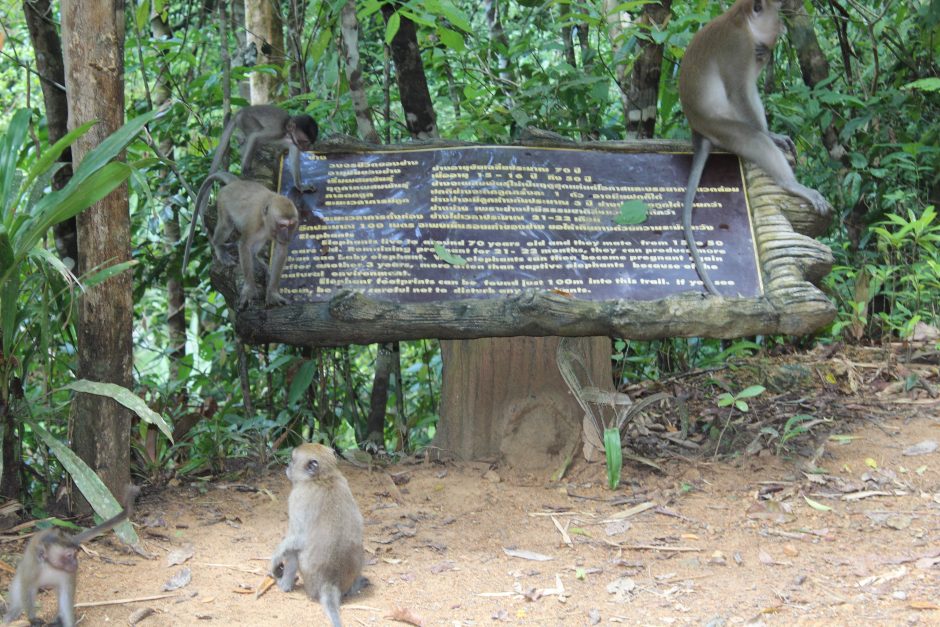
(259, 215)
(324, 531)
(51, 561)
(718, 91)
(267, 124)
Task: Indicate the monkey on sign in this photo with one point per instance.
(324, 531)
(718, 92)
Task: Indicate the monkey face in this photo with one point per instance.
(60, 556)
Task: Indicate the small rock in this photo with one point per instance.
(921, 448)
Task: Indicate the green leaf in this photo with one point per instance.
(100, 276)
(632, 212)
(391, 28)
(452, 39)
(925, 84)
(125, 397)
(68, 202)
(741, 405)
(111, 147)
(301, 381)
(750, 392)
(614, 457)
(725, 400)
(10, 145)
(816, 504)
(87, 482)
(447, 256)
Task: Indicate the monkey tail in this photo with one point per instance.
(702, 147)
(223, 177)
(330, 596)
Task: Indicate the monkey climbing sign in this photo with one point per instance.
(425, 225)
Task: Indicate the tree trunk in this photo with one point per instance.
(350, 47)
(813, 64)
(47, 47)
(412, 83)
(375, 421)
(510, 403)
(93, 34)
(176, 301)
(263, 25)
(643, 91)
(296, 17)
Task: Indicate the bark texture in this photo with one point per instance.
(416, 102)
(349, 26)
(263, 24)
(93, 36)
(51, 67)
(642, 94)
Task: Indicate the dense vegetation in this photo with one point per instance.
(868, 132)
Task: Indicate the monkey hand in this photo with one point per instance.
(224, 256)
(820, 204)
(274, 299)
(306, 188)
(784, 143)
(249, 293)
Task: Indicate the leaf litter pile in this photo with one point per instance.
(723, 517)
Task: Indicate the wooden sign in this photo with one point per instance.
(443, 224)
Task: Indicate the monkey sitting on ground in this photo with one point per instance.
(259, 215)
(324, 531)
(51, 560)
(270, 125)
(718, 91)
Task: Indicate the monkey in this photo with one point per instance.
(718, 92)
(259, 215)
(51, 560)
(324, 531)
(267, 124)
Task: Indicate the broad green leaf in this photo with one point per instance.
(391, 28)
(125, 397)
(931, 83)
(725, 400)
(302, 381)
(68, 202)
(614, 457)
(447, 256)
(87, 482)
(632, 212)
(111, 146)
(750, 392)
(452, 39)
(11, 143)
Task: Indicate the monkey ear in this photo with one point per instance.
(265, 210)
(758, 6)
(312, 467)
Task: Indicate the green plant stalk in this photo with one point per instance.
(614, 457)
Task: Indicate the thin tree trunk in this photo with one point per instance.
(349, 26)
(93, 37)
(642, 94)
(176, 301)
(813, 63)
(47, 47)
(296, 17)
(420, 118)
(264, 30)
(375, 421)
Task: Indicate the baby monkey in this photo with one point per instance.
(51, 560)
(324, 531)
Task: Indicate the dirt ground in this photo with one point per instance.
(742, 541)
